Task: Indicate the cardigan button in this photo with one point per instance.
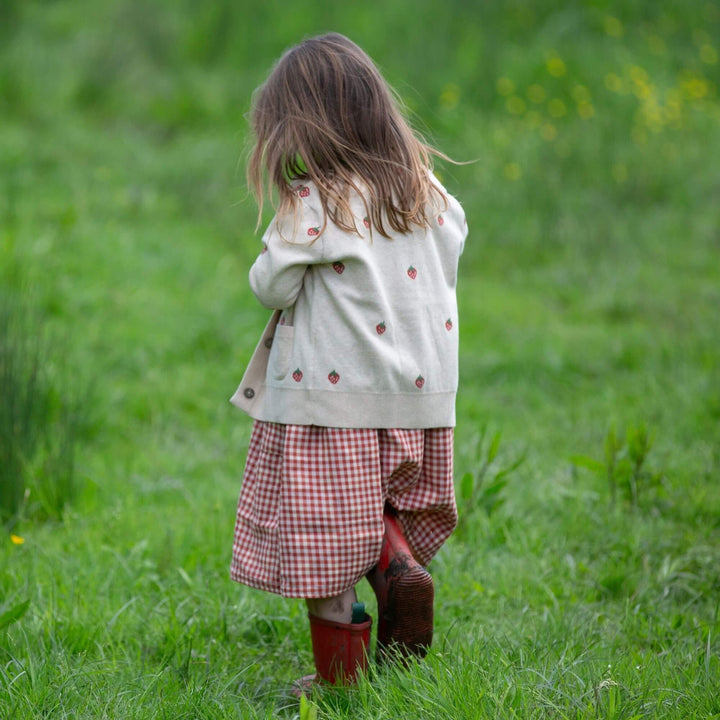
(268, 342)
(249, 393)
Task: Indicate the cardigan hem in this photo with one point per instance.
(355, 409)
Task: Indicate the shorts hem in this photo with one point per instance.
(294, 593)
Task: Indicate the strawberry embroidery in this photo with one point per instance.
(264, 250)
(297, 376)
(441, 220)
(412, 272)
(366, 221)
(419, 381)
(313, 231)
(380, 328)
(333, 377)
(303, 191)
(448, 325)
(339, 268)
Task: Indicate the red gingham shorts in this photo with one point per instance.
(309, 519)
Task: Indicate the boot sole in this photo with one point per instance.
(409, 614)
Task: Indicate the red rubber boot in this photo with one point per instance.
(340, 649)
(405, 595)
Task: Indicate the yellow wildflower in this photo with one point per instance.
(585, 110)
(17, 540)
(580, 94)
(548, 132)
(505, 86)
(708, 54)
(534, 119)
(555, 66)
(450, 96)
(614, 83)
(657, 45)
(513, 171)
(653, 118)
(638, 75)
(536, 94)
(695, 88)
(643, 91)
(516, 105)
(673, 108)
(556, 108)
(613, 26)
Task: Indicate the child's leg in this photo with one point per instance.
(338, 608)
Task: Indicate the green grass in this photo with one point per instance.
(589, 294)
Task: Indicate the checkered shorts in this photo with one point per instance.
(309, 519)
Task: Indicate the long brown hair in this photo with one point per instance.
(326, 114)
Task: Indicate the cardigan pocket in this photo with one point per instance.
(281, 353)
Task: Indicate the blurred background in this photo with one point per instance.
(592, 195)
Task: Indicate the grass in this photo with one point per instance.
(589, 295)
(42, 414)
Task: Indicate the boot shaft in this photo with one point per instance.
(340, 649)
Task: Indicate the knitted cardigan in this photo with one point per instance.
(368, 334)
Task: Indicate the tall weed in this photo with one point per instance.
(40, 418)
(482, 490)
(625, 467)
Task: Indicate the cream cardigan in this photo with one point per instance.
(368, 333)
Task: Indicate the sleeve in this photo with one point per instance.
(459, 220)
(290, 246)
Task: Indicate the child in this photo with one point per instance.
(352, 387)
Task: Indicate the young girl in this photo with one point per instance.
(352, 387)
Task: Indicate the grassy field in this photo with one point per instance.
(584, 578)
